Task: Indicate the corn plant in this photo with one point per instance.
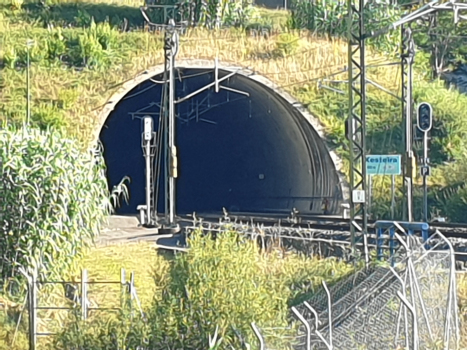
(54, 198)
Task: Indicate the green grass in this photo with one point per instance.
(152, 271)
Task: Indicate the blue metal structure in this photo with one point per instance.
(410, 228)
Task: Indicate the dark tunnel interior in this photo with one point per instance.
(251, 153)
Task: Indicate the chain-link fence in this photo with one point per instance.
(407, 301)
(411, 305)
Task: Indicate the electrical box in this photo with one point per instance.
(147, 128)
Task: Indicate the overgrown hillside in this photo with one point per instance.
(83, 51)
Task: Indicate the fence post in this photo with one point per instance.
(259, 336)
(123, 287)
(84, 293)
(131, 291)
(379, 242)
(307, 327)
(32, 299)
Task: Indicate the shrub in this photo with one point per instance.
(101, 333)
(47, 115)
(217, 283)
(287, 44)
(226, 283)
(54, 196)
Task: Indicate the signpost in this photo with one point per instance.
(384, 165)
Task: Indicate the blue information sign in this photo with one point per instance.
(383, 165)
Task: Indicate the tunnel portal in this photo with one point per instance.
(255, 153)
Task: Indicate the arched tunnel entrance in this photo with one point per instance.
(255, 153)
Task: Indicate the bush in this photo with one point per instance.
(91, 47)
(47, 115)
(101, 333)
(54, 196)
(287, 44)
(217, 283)
(226, 282)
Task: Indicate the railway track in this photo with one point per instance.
(319, 222)
(125, 229)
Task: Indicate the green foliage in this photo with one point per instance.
(123, 331)
(445, 42)
(215, 13)
(47, 115)
(287, 44)
(54, 198)
(16, 4)
(227, 282)
(10, 337)
(217, 283)
(217, 288)
(385, 136)
(330, 18)
(92, 47)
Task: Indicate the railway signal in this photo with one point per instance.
(425, 117)
(425, 123)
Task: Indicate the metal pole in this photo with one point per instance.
(407, 56)
(148, 181)
(307, 327)
(393, 195)
(32, 300)
(28, 88)
(370, 193)
(425, 185)
(259, 336)
(329, 313)
(84, 294)
(172, 148)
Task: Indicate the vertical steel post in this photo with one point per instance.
(425, 185)
(171, 48)
(173, 155)
(357, 118)
(407, 58)
(393, 195)
(165, 118)
(28, 83)
(370, 193)
(32, 300)
(84, 294)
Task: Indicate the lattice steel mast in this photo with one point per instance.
(407, 60)
(357, 119)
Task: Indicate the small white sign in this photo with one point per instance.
(358, 196)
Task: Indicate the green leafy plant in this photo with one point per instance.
(287, 44)
(54, 197)
(48, 115)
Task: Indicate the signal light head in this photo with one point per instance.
(424, 117)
